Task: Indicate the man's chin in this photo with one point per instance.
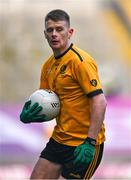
(55, 46)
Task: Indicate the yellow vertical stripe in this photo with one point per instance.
(92, 166)
(95, 162)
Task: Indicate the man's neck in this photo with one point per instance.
(58, 52)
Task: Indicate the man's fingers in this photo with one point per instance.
(27, 104)
(78, 159)
(77, 151)
(33, 107)
(40, 118)
(37, 110)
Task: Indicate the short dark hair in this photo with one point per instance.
(58, 15)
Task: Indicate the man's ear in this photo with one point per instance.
(70, 32)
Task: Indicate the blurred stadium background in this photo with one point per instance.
(103, 28)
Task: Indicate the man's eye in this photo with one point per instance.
(59, 29)
(49, 30)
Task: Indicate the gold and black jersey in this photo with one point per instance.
(73, 76)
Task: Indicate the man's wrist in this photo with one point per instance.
(91, 141)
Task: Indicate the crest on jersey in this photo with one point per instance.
(62, 69)
(93, 82)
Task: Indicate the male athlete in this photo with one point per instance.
(75, 148)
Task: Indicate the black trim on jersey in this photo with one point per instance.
(77, 53)
(59, 56)
(94, 93)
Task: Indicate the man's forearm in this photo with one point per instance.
(98, 107)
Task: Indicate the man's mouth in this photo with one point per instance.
(54, 42)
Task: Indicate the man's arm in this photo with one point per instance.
(98, 108)
(84, 153)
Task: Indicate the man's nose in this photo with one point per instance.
(54, 33)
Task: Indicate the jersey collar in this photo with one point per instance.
(59, 56)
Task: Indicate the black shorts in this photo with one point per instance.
(63, 154)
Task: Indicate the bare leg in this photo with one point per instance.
(45, 169)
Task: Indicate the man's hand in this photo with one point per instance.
(85, 152)
(30, 113)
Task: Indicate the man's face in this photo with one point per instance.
(57, 34)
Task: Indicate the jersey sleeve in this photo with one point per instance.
(43, 78)
(88, 78)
